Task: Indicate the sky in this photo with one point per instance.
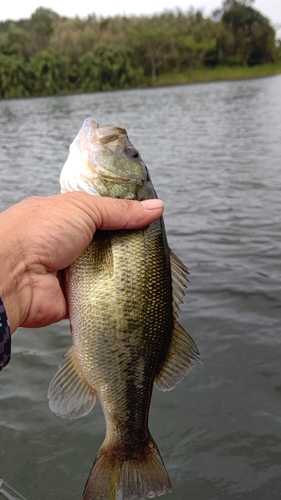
(14, 9)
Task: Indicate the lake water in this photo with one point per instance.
(214, 154)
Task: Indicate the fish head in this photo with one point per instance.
(102, 161)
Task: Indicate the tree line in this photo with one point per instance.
(49, 54)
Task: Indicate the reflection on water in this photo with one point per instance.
(214, 155)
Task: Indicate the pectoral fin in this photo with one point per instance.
(178, 363)
(69, 394)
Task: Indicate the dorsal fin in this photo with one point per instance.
(179, 280)
(182, 350)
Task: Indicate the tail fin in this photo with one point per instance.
(114, 477)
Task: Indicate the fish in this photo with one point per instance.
(123, 293)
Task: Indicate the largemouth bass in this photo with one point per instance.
(123, 293)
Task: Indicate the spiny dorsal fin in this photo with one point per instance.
(69, 394)
(178, 363)
(179, 280)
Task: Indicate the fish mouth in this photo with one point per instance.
(92, 133)
(110, 137)
(81, 168)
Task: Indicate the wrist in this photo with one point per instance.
(12, 293)
(14, 289)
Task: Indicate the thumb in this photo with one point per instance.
(112, 213)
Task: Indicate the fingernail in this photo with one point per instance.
(152, 204)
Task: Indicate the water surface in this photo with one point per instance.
(213, 151)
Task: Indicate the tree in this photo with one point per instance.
(14, 41)
(196, 37)
(50, 70)
(153, 43)
(41, 28)
(14, 77)
(107, 68)
(254, 37)
(75, 37)
(194, 52)
(278, 49)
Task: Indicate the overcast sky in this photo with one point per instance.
(14, 9)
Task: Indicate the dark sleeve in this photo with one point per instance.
(5, 337)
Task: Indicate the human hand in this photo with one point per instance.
(42, 235)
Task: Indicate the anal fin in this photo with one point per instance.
(69, 394)
(179, 361)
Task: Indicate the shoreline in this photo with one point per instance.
(220, 73)
(199, 75)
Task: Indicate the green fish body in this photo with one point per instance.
(123, 294)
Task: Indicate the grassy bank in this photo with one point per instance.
(218, 73)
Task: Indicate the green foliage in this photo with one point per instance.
(107, 68)
(41, 27)
(75, 37)
(253, 37)
(278, 49)
(13, 41)
(172, 42)
(14, 77)
(48, 54)
(195, 52)
(153, 43)
(50, 70)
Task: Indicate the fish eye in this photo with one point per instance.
(132, 152)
